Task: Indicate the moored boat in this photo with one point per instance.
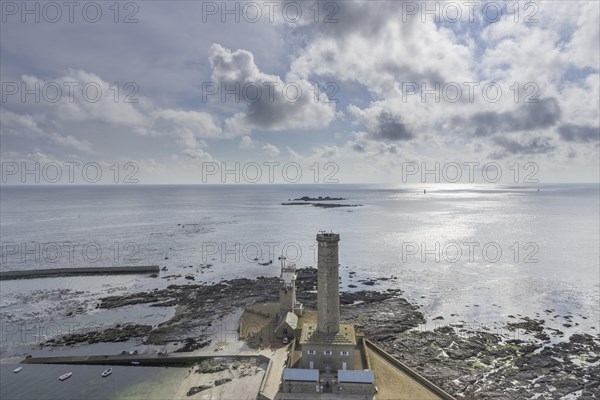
(16, 370)
(106, 372)
(65, 376)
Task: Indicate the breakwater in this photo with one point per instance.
(55, 272)
(141, 359)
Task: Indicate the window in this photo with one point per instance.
(311, 352)
(343, 353)
(328, 352)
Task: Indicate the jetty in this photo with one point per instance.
(55, 272)
(147, 360)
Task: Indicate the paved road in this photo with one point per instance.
(273, 379)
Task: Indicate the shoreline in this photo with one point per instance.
(520, 358)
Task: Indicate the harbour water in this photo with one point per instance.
(41, 382)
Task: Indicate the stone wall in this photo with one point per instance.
(319, 359)
(299, 387)
(355, 388)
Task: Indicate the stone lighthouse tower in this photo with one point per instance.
(328, 289)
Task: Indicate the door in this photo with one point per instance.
(311, 365)
(344, 366)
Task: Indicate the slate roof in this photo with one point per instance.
(298, 374)
(356, 376)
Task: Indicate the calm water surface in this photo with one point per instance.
(548, 242)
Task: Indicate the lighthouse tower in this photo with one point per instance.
(328, 289)
(328, 345)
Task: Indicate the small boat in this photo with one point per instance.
(65, 376)
(17, 370)
(107, 372)
(135, 362)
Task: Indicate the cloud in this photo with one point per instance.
(381, 123)
(197, 154)
(526, 117)
(293, 154)
(110, 111)
(86, 97)
(271, 150)
(19, 124)
(391, 127)
(369, 52)
(246, 143)
(578, 133)
(381, 46)
(536, 145)
(271, 103)
(26, 126)
(70, 141)
(188, 126)
(359, 148)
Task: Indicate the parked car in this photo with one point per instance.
(286, 340)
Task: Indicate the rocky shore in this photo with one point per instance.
(320, 198)
(317, 202)
(321, 205)
(522, 359)
(118, 333)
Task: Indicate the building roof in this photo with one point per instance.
(289, 319)
(352, 376)
(311, 335)
(298, 374)
(328, 237)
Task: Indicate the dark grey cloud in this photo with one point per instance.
(529, 116)
(579, 133)
(164, 53)
(358, 148)
(270, 102)
(390, 127)
(411, 75)
(536, 145)
(336, 18)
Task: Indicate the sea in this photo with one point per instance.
(474, 254)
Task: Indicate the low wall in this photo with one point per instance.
(408, 371)
(290, 357)
(54, 272)
(261, 390)
(364, 353)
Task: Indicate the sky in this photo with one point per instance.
(300, 92)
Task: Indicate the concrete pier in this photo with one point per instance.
(143, 359)
(54, 272)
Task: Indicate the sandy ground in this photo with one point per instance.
(245, 384)
(246, 380)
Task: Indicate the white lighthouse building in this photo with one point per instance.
(289, 308)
